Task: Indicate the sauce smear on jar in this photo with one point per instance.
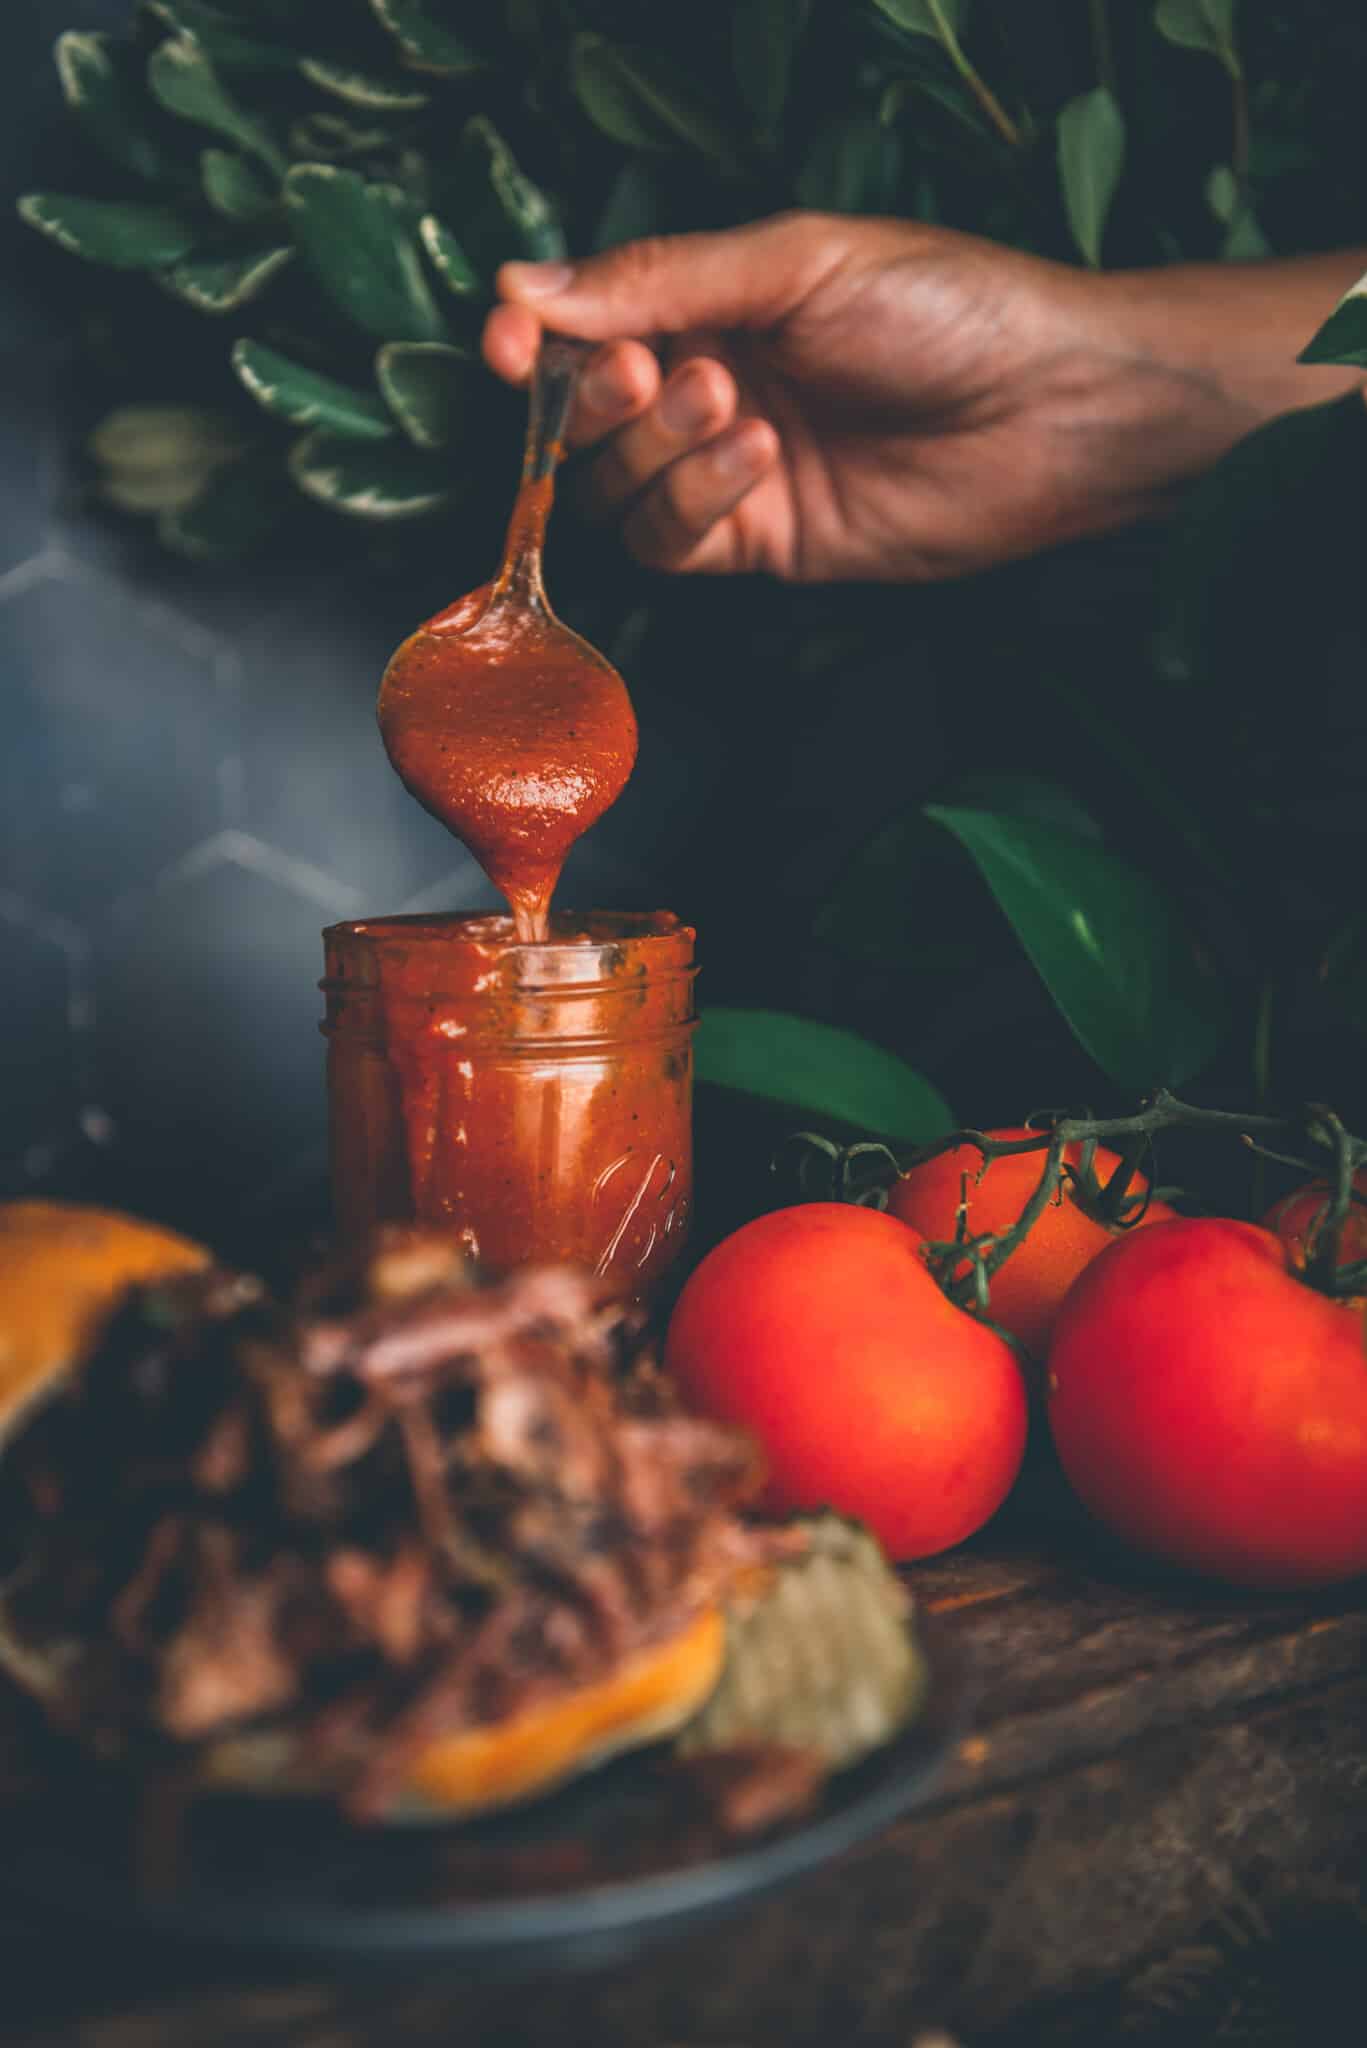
(523, 1081)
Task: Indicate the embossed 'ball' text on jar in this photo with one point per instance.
(537, 1098)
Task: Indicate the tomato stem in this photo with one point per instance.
(826, 1172)
(1322, 1250)
(964, 1267)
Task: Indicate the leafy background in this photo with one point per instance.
(1082, 824)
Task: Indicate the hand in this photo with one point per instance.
(875, 399)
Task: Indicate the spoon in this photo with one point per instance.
(502, 722)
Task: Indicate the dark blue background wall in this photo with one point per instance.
(191, 784)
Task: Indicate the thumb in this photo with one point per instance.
(743, 277)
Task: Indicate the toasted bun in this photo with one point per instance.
(648, 1697)
(64, 1269)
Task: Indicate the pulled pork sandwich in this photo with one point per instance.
(414, 1541)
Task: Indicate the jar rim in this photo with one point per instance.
(571, 929)
(465, 957)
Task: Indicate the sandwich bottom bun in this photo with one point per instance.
(651, 1695)
(64, 1270)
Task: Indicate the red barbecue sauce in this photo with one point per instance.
(497, 718)
(536, 1098)
(527, 1080)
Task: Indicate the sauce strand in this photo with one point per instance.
(503, 723)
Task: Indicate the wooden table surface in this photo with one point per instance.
(1162, 1801)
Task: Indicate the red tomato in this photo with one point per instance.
(820, 1329)
(1295, 1216)
(1211, 1408)
(1027, 1292)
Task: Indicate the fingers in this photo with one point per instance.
(744, 277)
(681, 520)
(696, 404)
(617, 382)
(676, 463)
(512, 335)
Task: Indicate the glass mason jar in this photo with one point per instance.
(538, 1098)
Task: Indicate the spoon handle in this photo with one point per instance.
(553, 386)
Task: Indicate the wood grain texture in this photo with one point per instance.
(1147, 1760)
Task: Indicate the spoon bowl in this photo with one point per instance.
(501, 721)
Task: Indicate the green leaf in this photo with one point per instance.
(333, 137)
(160, 438)
(906, 897)
(413, 177)
(1244, 240)
(222, 283)
(449, 260)
(277, 17)
(1201, 25)
(1091, 150)
(1143, 767)
(105, 102)
(426, 44)
(308, 398)
(185, 82)
(852, 167)
(233, 186)
(1343, 337)
(157, 458)
(948, 95)
(358, 240)
(1239, 519)
(429, 387)
(764, 39)
(507, 214)
(362, 88)
(1222, 193)
(937, 18)
(868, 911)
(118, 232)
(141, 491)
(645, 101)
(219, 38)
(632, 208)
(819, 1069)
(382, 480)
(235, 511)
(1026, 796)
(1106, 944)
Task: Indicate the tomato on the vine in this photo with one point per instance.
(821, 1329)
(1211, 1408)
(1295, 1217)
(1028, 1289)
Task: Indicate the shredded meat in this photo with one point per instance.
(750, 1786)
(407, 1502)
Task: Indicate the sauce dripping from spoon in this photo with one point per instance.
(502, 722)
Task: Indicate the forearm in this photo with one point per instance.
(1232, 332)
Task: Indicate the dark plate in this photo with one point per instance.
(589, 1876)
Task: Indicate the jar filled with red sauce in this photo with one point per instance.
(537, 1098)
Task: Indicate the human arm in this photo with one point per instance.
(830, 397)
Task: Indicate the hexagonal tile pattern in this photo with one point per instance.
(118, 725)
(315, 778)
(27, 445)
(40, 1051)
(210, 1061)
